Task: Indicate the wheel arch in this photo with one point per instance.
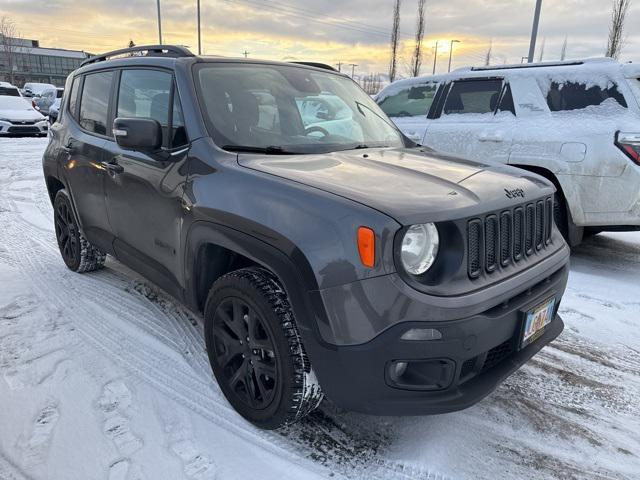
(54, 185)
(213, 250)
(568, 192)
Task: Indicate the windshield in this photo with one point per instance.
(14, 103)
(289, 109)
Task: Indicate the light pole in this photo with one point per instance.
(435, 58)
(534, 31)
(199, 37)
(159, 24)
(451, 52)
(353, 69)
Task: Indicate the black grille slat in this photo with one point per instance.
(500, 239)
(506, 238)
(529, 228)
(518, 233)
(548, 220)
(497, 354)
(474, 246)
(539, 225)
(491, 243)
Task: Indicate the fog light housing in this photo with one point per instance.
(431, 374)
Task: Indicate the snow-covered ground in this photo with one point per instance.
(102, 376)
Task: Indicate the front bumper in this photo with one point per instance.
(475, 353)
(17, 129)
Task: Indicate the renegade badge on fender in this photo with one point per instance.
(327, 254)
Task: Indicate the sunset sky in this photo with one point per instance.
(350, 31)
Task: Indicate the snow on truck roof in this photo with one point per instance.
(596, 71)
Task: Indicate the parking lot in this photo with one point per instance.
(105, 376)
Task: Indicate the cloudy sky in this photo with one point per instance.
(348, 31)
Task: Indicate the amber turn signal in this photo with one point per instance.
(367, 246)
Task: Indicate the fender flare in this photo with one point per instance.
(292, 269)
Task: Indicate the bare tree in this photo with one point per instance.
(616, 29)
(395, 38)
(563, 52)
(541, 54)
(417, 53)
(371, 83)
(487, 58)
(9, 44)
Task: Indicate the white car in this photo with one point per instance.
(576, 123)
(6, 89)
(35, 89)
(18, 117)
(47, 99)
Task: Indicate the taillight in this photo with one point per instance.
(33, 103)
(629, 143)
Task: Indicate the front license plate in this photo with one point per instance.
(536, 320)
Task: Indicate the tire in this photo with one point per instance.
(571, 233)
(77, 252)
(255, 350)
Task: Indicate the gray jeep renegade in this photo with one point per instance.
(327, 253)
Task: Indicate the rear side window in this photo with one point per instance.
(410, 102)
(147, 94)
(94, 104)
(506, 102)
(576, 96)
(473, 96)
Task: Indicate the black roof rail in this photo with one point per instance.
(324, 66)
(152, 51)
(528, 65)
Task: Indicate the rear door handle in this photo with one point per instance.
(113, 167)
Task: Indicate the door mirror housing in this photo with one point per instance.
(142, 134)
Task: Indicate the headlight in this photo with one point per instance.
(2, 119)
(419, 248)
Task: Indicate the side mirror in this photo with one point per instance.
(53, 115)
(142, 134)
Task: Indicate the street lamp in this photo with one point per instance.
(435, 58)
(451, 52)
(159, 24)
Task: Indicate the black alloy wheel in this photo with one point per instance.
(245, 352)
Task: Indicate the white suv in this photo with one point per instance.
(576, 123)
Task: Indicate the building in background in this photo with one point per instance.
(32, 63)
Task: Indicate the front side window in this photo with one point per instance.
(94, 103)
(473, 96)
(410, 102)
(577, 96)
(296, 109)
(147, 94)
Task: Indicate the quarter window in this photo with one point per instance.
(94, 104)
(473, 96)
(147, 94)
(576, 96)
(410, 102)
(73, 98)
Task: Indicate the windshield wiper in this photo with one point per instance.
(270, 150)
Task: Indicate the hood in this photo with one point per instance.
(22, 115)
(410, 185)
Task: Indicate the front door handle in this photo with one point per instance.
(113, 167)
(491, 137)
(69, 147)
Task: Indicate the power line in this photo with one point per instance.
(369, 30)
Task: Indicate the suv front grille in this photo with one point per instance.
(509, 236)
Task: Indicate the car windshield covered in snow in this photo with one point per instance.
(14, 103)
(289, 109)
